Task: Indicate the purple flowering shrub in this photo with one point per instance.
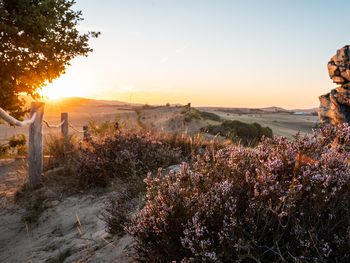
(130, 155)
(284, 201)
(126, 155)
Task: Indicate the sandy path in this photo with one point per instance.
(13, 174)
(71, 228)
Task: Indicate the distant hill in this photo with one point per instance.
(265, 110)
(77, 101)
(274, 109)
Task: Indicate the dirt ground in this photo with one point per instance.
(69, 230)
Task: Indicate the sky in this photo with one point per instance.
(208, 52)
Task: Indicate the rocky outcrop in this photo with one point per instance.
(335, 105)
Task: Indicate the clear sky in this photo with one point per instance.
(209, 52)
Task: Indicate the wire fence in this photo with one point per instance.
(35, 142)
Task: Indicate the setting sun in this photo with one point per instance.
(65, 86)
(51, 94)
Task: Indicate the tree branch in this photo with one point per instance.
(8, 118)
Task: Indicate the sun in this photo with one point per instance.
(50, 94)
(62, 88)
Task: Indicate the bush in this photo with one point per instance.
(61, 151)
(210, 116)
(281, 202)
(125, 155)
(105, 128)
(245, 133)
(191, 114)
(118, 212)
(156, 149)
(16, 145)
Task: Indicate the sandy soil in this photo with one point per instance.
(69, 230)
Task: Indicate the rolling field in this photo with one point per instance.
(282, 123)
(170, 119)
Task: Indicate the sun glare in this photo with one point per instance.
(50, 93)
(62, 88)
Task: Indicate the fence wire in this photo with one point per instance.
(53, 126)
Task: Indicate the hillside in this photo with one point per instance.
(81, 111)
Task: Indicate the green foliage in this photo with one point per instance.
(16, 145)
(191, 114)
(105, 128)
(195, 114)
(247, 134)
(38, 40)
(210, 116)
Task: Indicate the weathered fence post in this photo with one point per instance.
(36, 144)
(64, 127)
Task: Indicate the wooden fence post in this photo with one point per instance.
(64, 127)
(36, 144)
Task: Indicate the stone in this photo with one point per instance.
(346, 74)
(335, 105)
(333, 70)
(338, 80)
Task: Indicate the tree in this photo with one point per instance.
(38, 39)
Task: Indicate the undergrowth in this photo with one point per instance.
(285, 201)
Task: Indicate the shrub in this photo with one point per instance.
(165, 149)
(281, 202)
(245, 133)
(16, 145)
(191, 114)
(210, 116)
(125, 155)
(60, 150)
(195, 114)
(118, 212)
(105, 128)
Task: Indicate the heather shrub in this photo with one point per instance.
(164, 149)
(125, 155)
(118, 212)
(284, 201)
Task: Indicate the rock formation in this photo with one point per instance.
(335, 105)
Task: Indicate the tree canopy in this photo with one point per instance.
(38, 39)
